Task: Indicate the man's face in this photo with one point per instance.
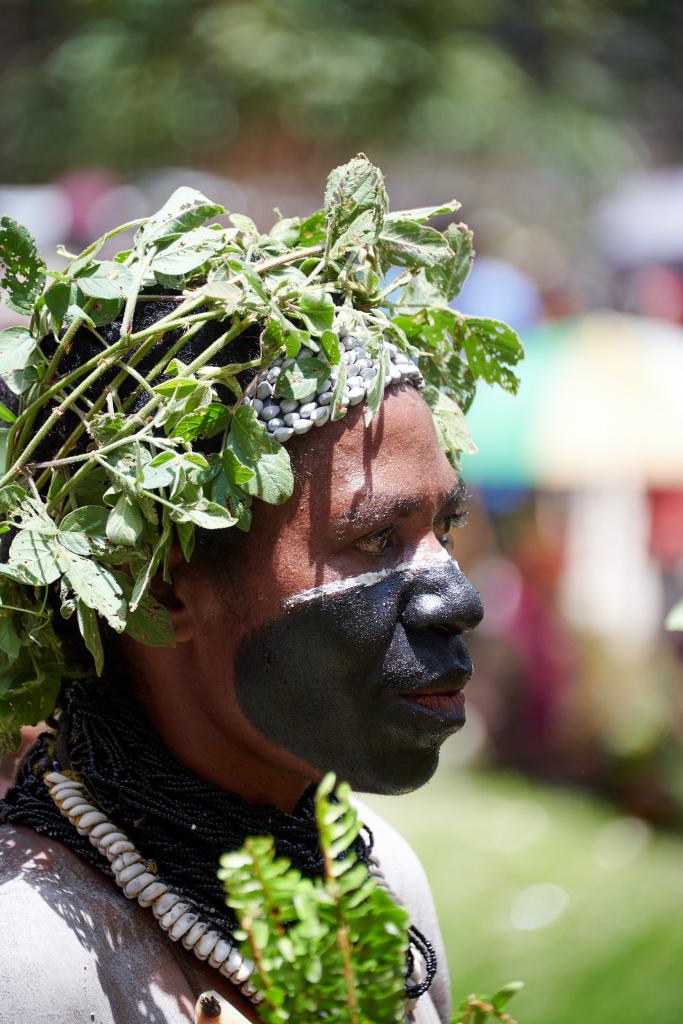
(339, 646)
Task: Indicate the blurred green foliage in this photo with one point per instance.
(135, 83)
(554, 888)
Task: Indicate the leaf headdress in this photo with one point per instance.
(126, 436)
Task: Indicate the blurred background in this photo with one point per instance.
(553, 833)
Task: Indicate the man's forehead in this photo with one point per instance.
(369, 502)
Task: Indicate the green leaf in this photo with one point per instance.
(408, 244)
(316, 309)
(187, 208)
(35, 558)
(293, 342)
(6, 414)
(451, 427)
(188, 252)
(146, 575)
(26, 704)
(17, 347)
(355, 206)
(229, 295)
(249, 438)
(330, 346)
(177, 387)
(235, 470)
(125, 522)
(313, 230)
(491, 347)
(207, 514)
(22, 271)
(90, 631)
(424, 213)
(502, 997)
(338, 409)
(83, 531)
(150, 624)
(450, 276)
(9, 638)
(65, 297)
(300, 380)
(287, 230)
(375, 392)
(206, 422)
(674, 619)
(273, 480)
(106, 280)
(272, 341)
(244, 224)
(98, 589)
(103, 311)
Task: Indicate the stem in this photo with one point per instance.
(24, 611)
(171, 320)
(345, 949)
(398, 282)
(99, 242)
(70, 460)
(116, 383)
(73, 481)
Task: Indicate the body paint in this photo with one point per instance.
(331, 680)
(366, 579)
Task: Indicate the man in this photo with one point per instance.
(328, 637)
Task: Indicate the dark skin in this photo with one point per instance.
(366, 499)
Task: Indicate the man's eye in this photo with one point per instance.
(375, 543)
(451, 523)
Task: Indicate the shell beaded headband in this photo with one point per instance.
(287, 418)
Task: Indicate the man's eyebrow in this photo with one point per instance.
(371, 509)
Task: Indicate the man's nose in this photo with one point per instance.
(442, 598)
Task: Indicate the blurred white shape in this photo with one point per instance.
(642, 220)
(538, 906)
(620, 842)
(609, 407)
(610, 586)
(44, 209)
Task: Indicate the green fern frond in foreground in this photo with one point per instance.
(334, 946)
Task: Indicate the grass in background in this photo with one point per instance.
(554, 888)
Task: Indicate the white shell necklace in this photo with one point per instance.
(139, 881)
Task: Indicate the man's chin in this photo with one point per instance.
(408, 772)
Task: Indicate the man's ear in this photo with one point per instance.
(175, 596)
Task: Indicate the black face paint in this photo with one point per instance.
(337, 679)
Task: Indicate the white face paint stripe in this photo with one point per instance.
(366, 579)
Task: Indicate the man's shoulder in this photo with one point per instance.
(37, 866)
(399, 863)
(407, 881)
(76, 945)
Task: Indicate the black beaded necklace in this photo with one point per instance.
(180, 822)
